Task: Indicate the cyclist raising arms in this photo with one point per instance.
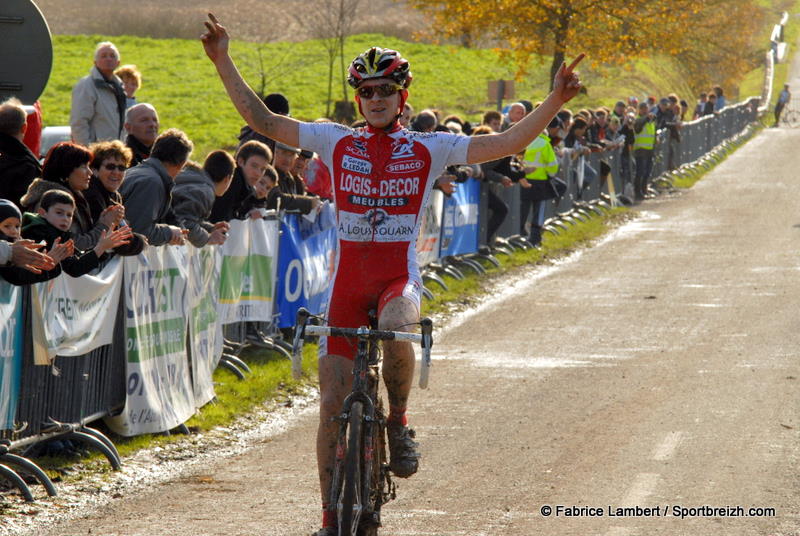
(382, 178)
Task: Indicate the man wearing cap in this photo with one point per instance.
(283, 159)
(664, 114)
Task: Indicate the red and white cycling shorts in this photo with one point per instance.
(381, 185)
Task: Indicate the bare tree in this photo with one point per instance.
(331, 21)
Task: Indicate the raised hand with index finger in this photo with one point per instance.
(567, 83)
(215, 39)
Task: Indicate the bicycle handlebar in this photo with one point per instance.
(425, 339)
(371, 334)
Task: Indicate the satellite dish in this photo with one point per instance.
(26, 51)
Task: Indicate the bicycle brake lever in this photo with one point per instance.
(297, 346)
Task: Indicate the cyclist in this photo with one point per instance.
(382, 178)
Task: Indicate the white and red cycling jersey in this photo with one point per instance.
(381, 186)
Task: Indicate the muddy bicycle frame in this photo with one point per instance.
(358, 490)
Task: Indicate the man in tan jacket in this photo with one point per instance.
(98, 100)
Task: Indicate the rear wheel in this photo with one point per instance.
(351, 503)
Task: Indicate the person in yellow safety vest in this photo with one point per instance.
(540, 163)
(644, 129)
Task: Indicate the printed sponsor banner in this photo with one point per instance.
(205, 332)
(11, 342)
(76, 314)
(460, 222)
(159, 390)
(430, 232)
(305, 264)
(247, 275)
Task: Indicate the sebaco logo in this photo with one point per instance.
(407, 166)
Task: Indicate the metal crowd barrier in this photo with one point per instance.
(698, 138)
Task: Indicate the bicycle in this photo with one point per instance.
(362, 482)
(790, 118)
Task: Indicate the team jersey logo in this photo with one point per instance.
(406, 166)
(357, 147)
(402, 148)
(356, 165)
(376, 225)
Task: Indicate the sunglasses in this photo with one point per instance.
(112, 167)
(383, 91)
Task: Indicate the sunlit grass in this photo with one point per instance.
(183, 85)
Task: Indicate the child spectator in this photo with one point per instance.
(10, 218)
(10, 222)
(67, 168)
(493, 119)
(275, 199)
(193, 197)
(252, 159)
(131, 82)
(51, 224)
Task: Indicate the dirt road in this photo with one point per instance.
(658, 369)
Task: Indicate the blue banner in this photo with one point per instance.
(10, 352)
(460, 225)
(305, 264)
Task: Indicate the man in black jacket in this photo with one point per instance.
(147, 189)
(18, 165)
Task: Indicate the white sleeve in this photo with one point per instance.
(454, 148)
(321, 138)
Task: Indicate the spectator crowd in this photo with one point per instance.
(122, 184)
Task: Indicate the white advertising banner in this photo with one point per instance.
(75, 315)
(205, 332)
(247, 275)
(11, 343)
(430, 232)
(159, 389)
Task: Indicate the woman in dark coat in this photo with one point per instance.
(66, 167)
(110, 159)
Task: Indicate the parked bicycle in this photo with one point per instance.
(790, 118)
(362, 481)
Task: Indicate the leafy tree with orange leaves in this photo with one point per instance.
(609, 31)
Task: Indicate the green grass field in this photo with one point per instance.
(183, 86)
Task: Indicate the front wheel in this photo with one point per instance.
(351, 503)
